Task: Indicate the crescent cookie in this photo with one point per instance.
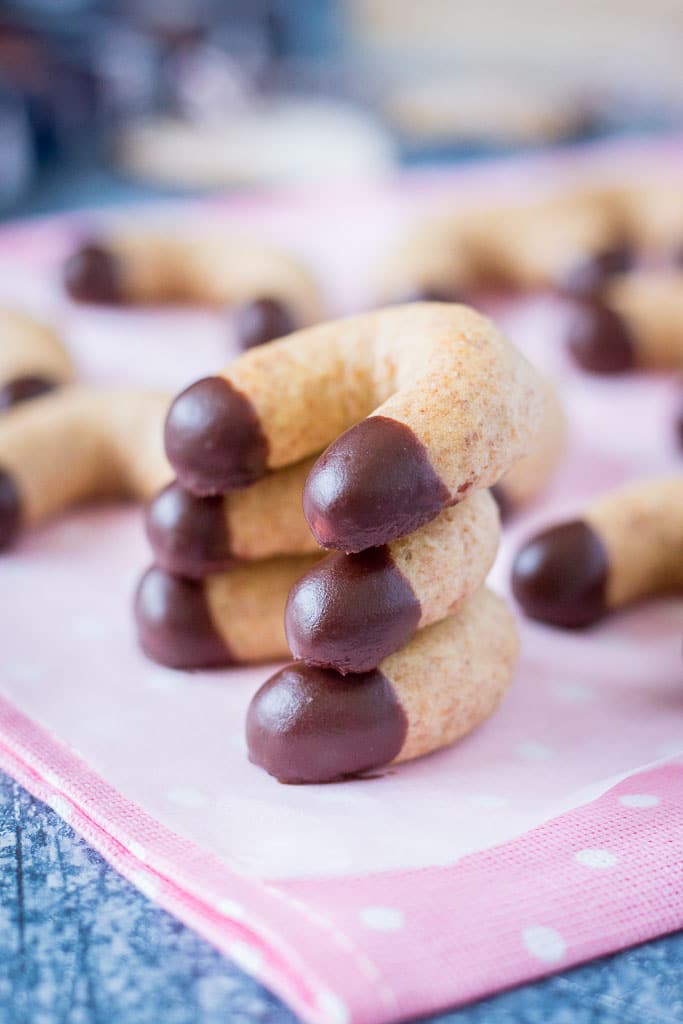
(33, 360)
(626, 546)
(75, 445)
(573, 241)
(308, 724)
(141, 267)
(350, 611)
(450, 406)
(634, 324)
(432, 258)
(194, 536)
(235, 617)
(652, 213)
(570, 241)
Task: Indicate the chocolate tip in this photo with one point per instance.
(599, 340)
(261, 320)
(350, 611)
(308, 725)
(588, 277)
(23, 389)
(560, 576)
(188, 535)
(10, 511)
(93, 274)
(213, 438)
(373, 484)
(174, 624)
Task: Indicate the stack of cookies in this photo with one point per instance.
(402, 648)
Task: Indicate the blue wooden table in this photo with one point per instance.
(80, 945)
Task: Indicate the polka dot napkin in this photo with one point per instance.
(549, 836)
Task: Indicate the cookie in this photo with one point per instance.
(235, 617)
(431, 263)
(194, 536)
(75, 445)
(144, 268)
(350, 611)
(260, 320)
(652, 214)
(635, 324)
(626, 546)
(450, 406)
(33, 360)
(573, 241)
(308, 724)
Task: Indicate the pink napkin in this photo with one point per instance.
(549, 836)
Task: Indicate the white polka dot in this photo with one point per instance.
(146, 883)
(544, 943)
(574, 693)
(231, 909)
(61, 807)
(186, 796)
(639, 800)
(245, 956)
(332, 1006)
(488, 801)
(596, 858)
(382, 919)
(533, 751)
(138, 850)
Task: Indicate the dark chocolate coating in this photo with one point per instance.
(599, 340)
(188, 534)
(309, 724)
(10, 511)
(262, 320)
(505, 507)
(213, 438)
(560, 575)
(350, 611)
(373, 484)
(21, 389)
(174, 624)
(589, 277)
(93, 274)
